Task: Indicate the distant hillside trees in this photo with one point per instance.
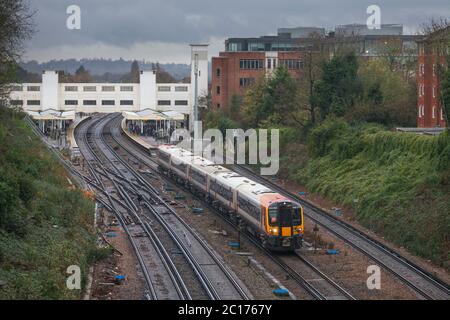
(105, 69)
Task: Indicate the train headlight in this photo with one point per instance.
(297, 230)
(273, 231)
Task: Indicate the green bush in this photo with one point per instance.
(45, 225)
(397, 183)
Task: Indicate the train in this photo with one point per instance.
(271, 217)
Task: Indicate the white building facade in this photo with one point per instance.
(53, 100)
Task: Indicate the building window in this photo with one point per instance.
(71, 102)
(292, 64)
(218, 72)
(218, 106)
(16, 88)
(89, 102)
(234, 46)
(421, 89)
(419, 111)
(34, 102)
(251, 64)
(33, 88)
(434, 112)
(71, 88)
(16, 102)
(108, 88)
(163, 102)
(245, 82)
(434, 92)
(164, 88)
(434, 70)
(126, 88)
(108, 103)
(181, 102)
(89, 88)
(126, 102)
(442, 114)
(422, 69)
(423, 110)
(181, 88)
(218, 90)
(269, 63)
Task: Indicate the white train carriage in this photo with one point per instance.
(175, 160)
(276, 220)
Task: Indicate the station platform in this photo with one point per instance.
(72, 143)
(146, 141)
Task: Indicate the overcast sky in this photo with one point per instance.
(160, 30)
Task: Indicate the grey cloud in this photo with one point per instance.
(122, 23)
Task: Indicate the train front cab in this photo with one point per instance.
(284, 226)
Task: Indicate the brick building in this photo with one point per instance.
(247, 59)
(234, 72)
(433, 50)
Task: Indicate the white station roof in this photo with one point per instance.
(51, 114)
(149, 114)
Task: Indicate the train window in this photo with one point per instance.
(249, 207)
(199, 177)
(297, 217)
(285, 215)
(273, 216)
(180, 166)
(221, 190)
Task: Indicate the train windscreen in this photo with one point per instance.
(284, 215)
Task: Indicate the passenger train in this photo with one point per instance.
(271, 217)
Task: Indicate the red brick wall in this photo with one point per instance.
(230, 73)
(428, 79)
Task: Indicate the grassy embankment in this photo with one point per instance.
(45, 223)
(398, 184)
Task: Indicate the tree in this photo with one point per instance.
(312, 71)
(133, 75)
(16, 26)
(162, 76)
(314, 59)
(253, 99)
(386, 98)
(81, 75)
(338, 87)
(272, 100)
(234, 109)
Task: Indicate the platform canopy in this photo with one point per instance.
(51, 114)
(149, 114)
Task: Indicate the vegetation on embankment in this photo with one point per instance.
(398, 184)
(46, 224)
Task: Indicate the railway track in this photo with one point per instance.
(423, 283)
(163, 280)
(314, 281)
(216, 280)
